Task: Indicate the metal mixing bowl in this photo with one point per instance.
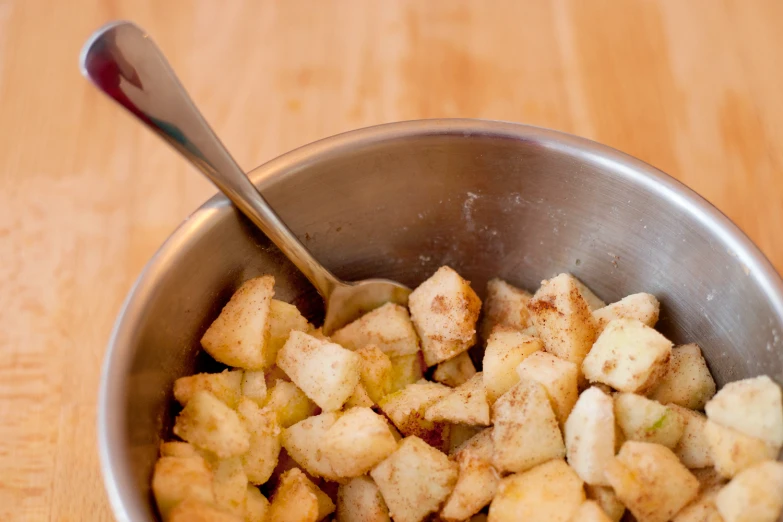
(398, 201)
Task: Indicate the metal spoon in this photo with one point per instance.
(123, 62)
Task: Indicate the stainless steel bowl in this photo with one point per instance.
(400, 200)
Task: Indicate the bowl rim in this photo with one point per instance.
(118, 353)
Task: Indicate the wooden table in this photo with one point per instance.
(693, 87)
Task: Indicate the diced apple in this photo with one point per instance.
(476, 486)
(239, 336)
(284, 318)
(194, 510)
(703, 509)
(225, 386)
(629, 356)
(360, 500)
(455, 371)
(754, 495)
(692, 449)
(644, 420)
(290, 403)
(687, 381)
(563, 318)
(506, 348)
(406, 369)
(590, 511)
(733, 451)
(466, 404)
(650, 481)
(256, 505)
(606, 498)
(326, 372)
(549, 492)
(407, 408)
(274, 374)
(558, 377)
(590, 436)
(261, 458)
(207, 423)
(389, 328)
(525, 432)
(176, 479)
(444, 310)
(642, 307)
(359, 399)
(505, 305)
(177, 448)
(297, 499)
(415, 480)
(253, 386)
(304, 443)
(375, 372)
(229, 485)
(750, 406)
(356, 442)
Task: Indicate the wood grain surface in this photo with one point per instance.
(694, 87)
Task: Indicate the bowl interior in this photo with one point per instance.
(398, 201)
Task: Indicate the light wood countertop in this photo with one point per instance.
(693, 87)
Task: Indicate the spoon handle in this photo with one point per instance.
(123, 62)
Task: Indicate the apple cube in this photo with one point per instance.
(506, 348)
(606, 498)
(225, 386)
(284, 318)
(505, 305)
(261, 458)
(444, 310)
(238, 337)
(207, 423)
(375, 372)
(563, 318)
(525, 432)
(693, 450)
(289, 403)
(256, 505)
(629, 356)
(687, 381)
(415, 480)
(549, 492)
(455, 371)
(754, 495)
(176, 478)
(466, 404)
(476, 485)
(590, 436)
(750, 406)
(642, 307)
(648, 421)
(304, 443)
(389, 328)
(326, 372)
(558, 377)
(297, 499)
(733, 451)
(650, 481)
(407, 408)
(360, 500)
(356, 442)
